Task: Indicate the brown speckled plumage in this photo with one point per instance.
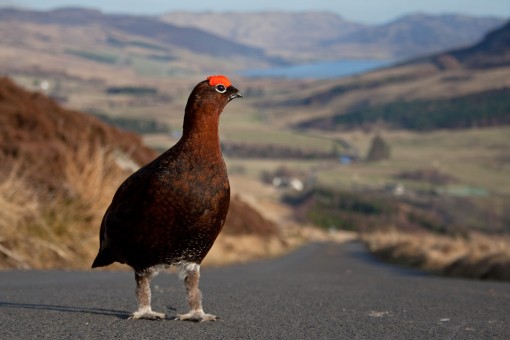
(171, 210)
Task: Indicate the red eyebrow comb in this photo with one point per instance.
(219, 79)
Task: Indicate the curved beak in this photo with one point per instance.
(235, 93)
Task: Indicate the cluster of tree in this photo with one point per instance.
(112, 41)
(162, 57)
(430, 175)
(139, 126)
(272, 151)
(326, 96)
(490, 108)
(379, 150)
(132, 90)
(104, 58)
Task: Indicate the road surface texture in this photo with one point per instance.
(321, 291)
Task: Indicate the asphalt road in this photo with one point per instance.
(322, 291)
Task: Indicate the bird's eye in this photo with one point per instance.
(221, 88)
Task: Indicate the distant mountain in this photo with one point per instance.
(420, 34)
(323, 35)
(249, 39)
(169, 35)
(287, 34)
(492, 51)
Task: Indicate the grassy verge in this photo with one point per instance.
(473, 255)
(44, 231)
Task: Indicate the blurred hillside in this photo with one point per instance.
(462, 90)
(439, 199)
(297, 150)
(39, 138)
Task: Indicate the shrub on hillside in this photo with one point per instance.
(379, 150)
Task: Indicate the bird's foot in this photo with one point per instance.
(147, 315)
(197, 316)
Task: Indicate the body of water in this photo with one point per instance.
(319, 70)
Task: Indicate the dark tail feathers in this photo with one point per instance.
(104, 258)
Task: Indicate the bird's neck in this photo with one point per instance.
(200, 131)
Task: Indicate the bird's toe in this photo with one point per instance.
(197, 317)
(147, 315)
(210, 317)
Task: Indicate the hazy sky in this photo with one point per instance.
(372, 11)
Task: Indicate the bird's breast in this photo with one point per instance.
(194, 192)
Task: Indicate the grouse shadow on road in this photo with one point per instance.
(100, 311)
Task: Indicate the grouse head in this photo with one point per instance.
(205, 104)
(212, 95)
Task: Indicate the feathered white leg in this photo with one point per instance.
(190, 273)
(143, 295)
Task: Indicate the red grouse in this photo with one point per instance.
(171, 211)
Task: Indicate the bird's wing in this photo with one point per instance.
(127, 205)
(116, 223)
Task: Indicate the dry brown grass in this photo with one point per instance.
(474, 255)
(18, 207)
(38, 230)
(43, 231)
